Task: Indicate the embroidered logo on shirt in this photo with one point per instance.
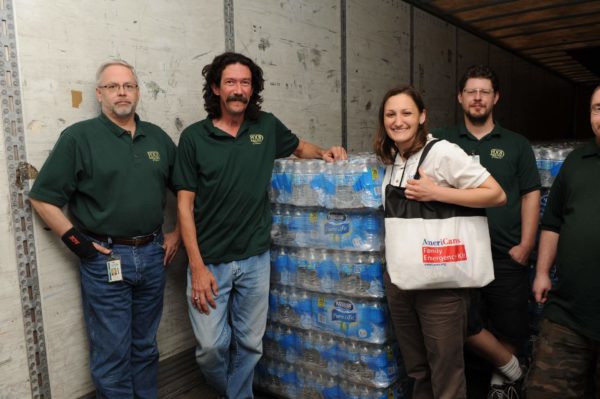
(256, 138)
(154, 156)
(497, 153)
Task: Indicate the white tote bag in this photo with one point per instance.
(431, 245)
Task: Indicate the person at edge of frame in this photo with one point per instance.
(566, 359)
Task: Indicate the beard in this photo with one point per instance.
(124, 111)
(478, 120)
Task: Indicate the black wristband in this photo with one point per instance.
(79, 244)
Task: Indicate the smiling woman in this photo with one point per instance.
(427, 321)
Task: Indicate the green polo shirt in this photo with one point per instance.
(230, 176)
(573, 211)
(509, 158)
(113, 185)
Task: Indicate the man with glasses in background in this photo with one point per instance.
(498, 326)
(566, 361)
(113, 172)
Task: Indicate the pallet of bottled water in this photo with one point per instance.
(348, 184)
(291, 381)
(364, 363)
(362, 319)
(349, 229)
(549, 158)
(356, 274)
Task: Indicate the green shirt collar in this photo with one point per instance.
(119, 131)
(496, 131)
(215, 131)
(591, 149)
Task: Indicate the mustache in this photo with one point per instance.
(236, 97)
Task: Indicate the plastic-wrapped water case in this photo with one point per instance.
(353, 183)
(349, 230)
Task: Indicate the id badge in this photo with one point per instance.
(113, 267)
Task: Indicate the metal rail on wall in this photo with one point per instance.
(19, 172)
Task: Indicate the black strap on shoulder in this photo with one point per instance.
(426, 150)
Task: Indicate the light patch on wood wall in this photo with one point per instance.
(76, 98)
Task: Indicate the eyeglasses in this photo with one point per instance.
(596, 109)
(115, 88)
(482, 92)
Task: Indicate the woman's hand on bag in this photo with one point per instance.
(423, 189)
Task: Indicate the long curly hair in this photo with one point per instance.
(384, 147)
(212, 75)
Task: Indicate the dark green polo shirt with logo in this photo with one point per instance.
(573, 211)
(509, 158)
(113, 185)
(230, 177)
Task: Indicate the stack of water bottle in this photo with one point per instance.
(549, 158)
(329, 333)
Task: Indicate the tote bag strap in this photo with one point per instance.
(426, 150)
(423, 155)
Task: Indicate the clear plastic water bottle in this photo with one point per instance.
(286, 218)
(283, 309)
(278, 331)
(273, 313)
(348, 279)
(375, 326)
(275, 189)
(313, 235)
(368, 185)
(277, 222)
(289, 380)
(373, 274)
(326, 272)
(311, 182)
(331, 389)
(372, 231)
(299, 182)
(299, 226)
(544, 164)
(293, 317)
(304, 309)
(292, 265)
(288, 345)
(285, 184)
(309, 353)
(350, 390)
(312, 278)
(344, 177)
(361, 283)
(280, 271)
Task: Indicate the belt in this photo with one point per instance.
(131, 241)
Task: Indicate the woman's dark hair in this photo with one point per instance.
(212, 74)
(384, 147)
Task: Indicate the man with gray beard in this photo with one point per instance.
(113, 171)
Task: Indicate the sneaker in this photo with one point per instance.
(507, 390)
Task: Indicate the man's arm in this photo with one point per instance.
(530, 216)
(53, 216)
(311, 151)
(204, 284)
(546, 256)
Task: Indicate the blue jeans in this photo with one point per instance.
(230, 337)
(122, 320)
